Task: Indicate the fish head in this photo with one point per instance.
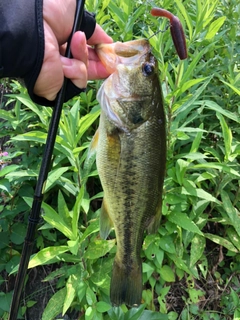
(126, 94)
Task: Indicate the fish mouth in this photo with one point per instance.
(127, 53)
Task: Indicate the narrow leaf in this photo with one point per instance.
(71, 286)
(45, 255)
(8, 169)
(191, 189)
(221, 241)
(55, 304)
(214, 27)
(227, 135)
(53, 176)
(52, 217)
(182, 220)
(76, 211)
(218, 166)
(235, 89)
(231, 211)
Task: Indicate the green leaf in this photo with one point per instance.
(221, 241)
(166, 243)
(24, 99)
(116, 313)
(197, 140)
(62, 207)
(6, 115)
(92, 228)
(40, 137)
(55, 305)
(167, 274)
(180, 112)
(5, 299)
(147, 268)
(191, 189)
(232, 87)
(85, 122)
(18, 233)
(31, 303)
(90, 296)
(89, 314)
(45, 255)
(71, 285)
(7, 169)
(53, 176)
(197, 248)
(214, 27)
(215, 107)
(152, 315)
(76, 211)
(181, 167)
(12, 263)
(179, 262)
(99, 248)
(103, 306)
(236, 315)
(4, 239)
(231, 211)
(73, 246)
(54, 219)
(218, 166)
(227, 135)
(134, 313)
(234, 237)
(5, 185)
(182, 220)
(22, 174)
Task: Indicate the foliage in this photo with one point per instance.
(191, 266)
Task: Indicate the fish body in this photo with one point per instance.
(131, 156)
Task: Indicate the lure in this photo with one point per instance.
(176, 29)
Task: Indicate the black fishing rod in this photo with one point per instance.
(45, 166)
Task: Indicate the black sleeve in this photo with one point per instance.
(22, 43)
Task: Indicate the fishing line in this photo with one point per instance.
(159, 31)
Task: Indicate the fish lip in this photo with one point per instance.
(127, 53)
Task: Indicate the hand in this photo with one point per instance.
(85, 65)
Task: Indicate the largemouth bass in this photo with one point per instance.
(131, 155)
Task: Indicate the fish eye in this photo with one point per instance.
(147, 68)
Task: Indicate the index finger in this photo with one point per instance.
(99, 36)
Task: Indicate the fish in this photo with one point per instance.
(130, 156)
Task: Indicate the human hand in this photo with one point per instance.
(85, 65)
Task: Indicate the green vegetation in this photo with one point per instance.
(191, 267)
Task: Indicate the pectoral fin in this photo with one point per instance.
(105, 221)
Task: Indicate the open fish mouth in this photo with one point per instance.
(127, 53)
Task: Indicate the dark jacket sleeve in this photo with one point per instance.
(22, 43)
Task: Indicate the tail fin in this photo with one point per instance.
(126, 285)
